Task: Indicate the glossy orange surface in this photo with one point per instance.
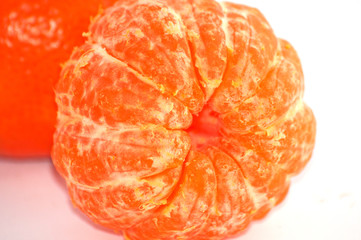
(35, 38)
(181, 119)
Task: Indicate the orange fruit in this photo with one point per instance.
(35, 38)
(181, 119)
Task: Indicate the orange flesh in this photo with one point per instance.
(164, 135)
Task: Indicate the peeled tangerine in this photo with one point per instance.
(181, 119)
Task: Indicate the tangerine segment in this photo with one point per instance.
(251, 53)
(277, 92)
(232, 211)
(187, 209)
(114, 93)
(267, 158)
(265, 182)
(125, 200)
(89, 154)
(151, 39)
(292, 141)
(287, 143)
(207, 40)
(140, 166)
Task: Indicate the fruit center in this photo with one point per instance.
(205, 128)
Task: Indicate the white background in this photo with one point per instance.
(324, 202)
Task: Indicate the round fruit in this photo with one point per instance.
(35, 38)
(181, 119)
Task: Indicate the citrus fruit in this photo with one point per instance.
(35, 38)
(181, 119)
